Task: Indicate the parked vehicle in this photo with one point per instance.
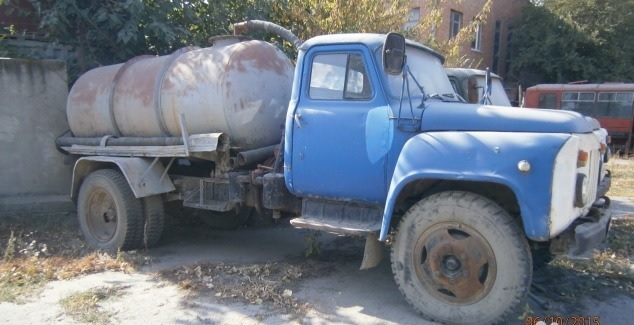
(611, 104)
(356, 141)
(470, 84)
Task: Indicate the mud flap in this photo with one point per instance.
(373, 253)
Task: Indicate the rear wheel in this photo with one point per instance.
(154, 220)
(459, 258)
(109, 215)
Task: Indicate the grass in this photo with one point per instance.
(85, 306)
(37, 250)
(622, 177)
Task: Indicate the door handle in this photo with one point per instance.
(298, 118)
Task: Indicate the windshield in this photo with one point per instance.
(498, 95)
(428, 71)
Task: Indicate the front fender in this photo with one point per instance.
(483, 157)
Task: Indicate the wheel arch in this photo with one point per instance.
(145, 176)
(458, 158)
(418, 188)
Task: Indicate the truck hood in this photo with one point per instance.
(446, 116)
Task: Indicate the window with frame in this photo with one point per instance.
(455, 23)
(615, 104)
(548, 101)
(580, 102)
(476, 44)
(414, 17)
(339, 76)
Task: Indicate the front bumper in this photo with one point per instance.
(589, 235)
(586, 232)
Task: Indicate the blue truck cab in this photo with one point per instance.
(468, 196)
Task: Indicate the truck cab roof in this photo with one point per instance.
(464, 72)
(371, 40)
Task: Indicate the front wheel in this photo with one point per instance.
(459, 258)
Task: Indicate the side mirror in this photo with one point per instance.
(486, 94)
(488, 82)
(394, 53)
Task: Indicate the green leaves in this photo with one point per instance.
(562, 41)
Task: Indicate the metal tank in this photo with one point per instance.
(238, 86)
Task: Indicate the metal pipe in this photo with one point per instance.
(268, 27)
(256, 155)
(66, 141)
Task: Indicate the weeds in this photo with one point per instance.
(85, 306)
(37, 252)
(267, 284)
(622, 177)
(312, 246)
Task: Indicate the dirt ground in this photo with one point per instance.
(260, 275)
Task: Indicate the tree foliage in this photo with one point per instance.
(453, 49)
(562, 41)
(308, 18)
(113, 31)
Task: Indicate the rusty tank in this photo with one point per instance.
(238, 86)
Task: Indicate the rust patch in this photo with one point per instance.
(262, 55)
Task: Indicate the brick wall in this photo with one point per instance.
(506, 13)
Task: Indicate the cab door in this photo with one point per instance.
(340, 128)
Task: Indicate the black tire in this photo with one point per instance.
(154, 220)
(459, 258)
(109, 215)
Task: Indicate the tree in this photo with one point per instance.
(426, 32)
(562, 41)
(113, 31)
(308, 18)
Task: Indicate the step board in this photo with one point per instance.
(339, 217)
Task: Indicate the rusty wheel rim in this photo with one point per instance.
(101, 215)
(455, 263)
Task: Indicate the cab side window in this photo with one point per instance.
(339, 76)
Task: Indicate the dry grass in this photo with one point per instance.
(85, 306)
(269, 284)
(34, 251)
(622, 177)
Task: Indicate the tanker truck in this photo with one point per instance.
(364, 136)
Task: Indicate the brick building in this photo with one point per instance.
(490, 47)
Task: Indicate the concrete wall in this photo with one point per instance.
(33, 176)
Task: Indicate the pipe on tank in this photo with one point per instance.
(268, 27)
(66, 141)
(252, 156)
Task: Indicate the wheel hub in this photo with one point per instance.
(455, 263)
(101, 216)
(451, 265)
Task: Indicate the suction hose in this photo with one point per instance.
(267, 26)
